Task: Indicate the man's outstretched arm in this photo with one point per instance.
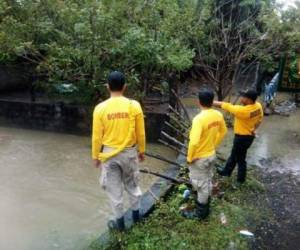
(236, 110)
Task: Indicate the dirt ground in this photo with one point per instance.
(282, 231)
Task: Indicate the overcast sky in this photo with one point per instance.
(287, 3)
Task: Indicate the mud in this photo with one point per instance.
(282, 229)
(276, 153)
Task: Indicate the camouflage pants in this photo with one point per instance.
(119, 173)
(201, 174)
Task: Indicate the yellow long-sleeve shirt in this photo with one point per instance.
(208, 130)
(247, 118)
(111, 125)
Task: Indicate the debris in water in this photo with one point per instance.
(285, 108)
(246, 233)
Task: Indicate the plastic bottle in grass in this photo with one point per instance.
(186, 194)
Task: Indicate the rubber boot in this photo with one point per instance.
(238, 184)
(118, 224)
(136, 216)
(221, 171)
(202, 210)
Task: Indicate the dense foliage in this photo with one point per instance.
(80, 41)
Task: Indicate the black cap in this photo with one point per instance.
(250, 93)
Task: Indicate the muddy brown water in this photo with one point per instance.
(278, 139)
(50, 194)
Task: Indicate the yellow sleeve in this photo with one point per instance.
(260, 119)
(222, 132)
(195, 135)
(237, 110)
(97, 134)
(140, 129)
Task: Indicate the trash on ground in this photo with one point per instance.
(215, 189)
(186, 194)
(285, 108)
(246, 233)
(186, 207)
(223, 219)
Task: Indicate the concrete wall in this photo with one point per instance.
(52, 117)
(59, 117)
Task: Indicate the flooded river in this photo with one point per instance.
(50, 196)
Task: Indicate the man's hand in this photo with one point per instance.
(141, 157)
(97, 163)
(217, 104)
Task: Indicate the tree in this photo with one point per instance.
(79, 42)
(237, 32)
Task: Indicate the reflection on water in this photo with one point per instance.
(50, 196)
(278, 138)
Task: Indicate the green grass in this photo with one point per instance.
(165, 228)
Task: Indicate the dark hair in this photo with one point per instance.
(250, 94)
(206, 97)
(116, 81)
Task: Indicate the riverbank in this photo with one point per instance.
(167, 229)
(268, 205)
(283, 199)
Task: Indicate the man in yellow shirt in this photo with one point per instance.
(118, 142)
(208, 130)
(247, 118)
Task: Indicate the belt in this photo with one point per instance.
(133, 146)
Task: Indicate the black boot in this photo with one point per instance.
(118, 225)
(135, 216)
(202, 210)
(221, 171)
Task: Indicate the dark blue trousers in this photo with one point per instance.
(241, 144)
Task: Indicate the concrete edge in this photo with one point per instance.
(159, 189)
